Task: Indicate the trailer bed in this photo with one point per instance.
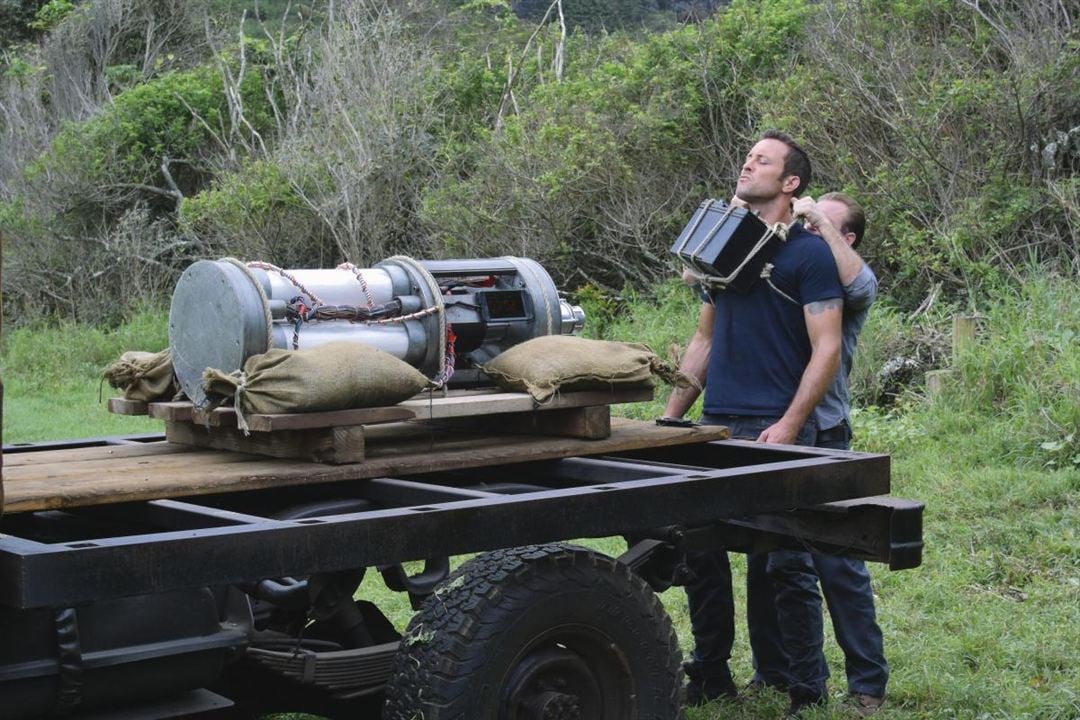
(78, 477)
(105, 526)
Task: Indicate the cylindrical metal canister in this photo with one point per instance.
(223, 312)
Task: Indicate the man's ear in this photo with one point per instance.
(850, 238)
(790, 184)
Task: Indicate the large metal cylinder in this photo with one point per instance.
(223, 312)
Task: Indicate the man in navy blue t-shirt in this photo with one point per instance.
(765, 358)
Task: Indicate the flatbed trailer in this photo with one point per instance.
(141, 578)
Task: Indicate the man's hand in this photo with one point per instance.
(779, 432)
(690, 277)
(806, 207)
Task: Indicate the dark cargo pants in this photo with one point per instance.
(709, 595)
(845, 583)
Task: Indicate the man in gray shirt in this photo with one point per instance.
(840, 221)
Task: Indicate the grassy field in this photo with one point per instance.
(988, 627)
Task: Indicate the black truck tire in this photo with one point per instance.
(553, 632)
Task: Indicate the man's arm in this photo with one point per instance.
(860, 293)
(695, 363)
(848, 262)
(823, 326)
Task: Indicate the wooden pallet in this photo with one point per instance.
(341, 436)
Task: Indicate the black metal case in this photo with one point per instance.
(729, 245)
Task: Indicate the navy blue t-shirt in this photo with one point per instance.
(760, 346)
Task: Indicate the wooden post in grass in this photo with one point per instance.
(963, 336)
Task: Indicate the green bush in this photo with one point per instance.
(91, 227)
(255, 214)
(596, 174)
(50, 14)
(178, 115)
(956, 125)
(895, 351)
(937, 115)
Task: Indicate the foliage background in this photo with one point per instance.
(139, 135)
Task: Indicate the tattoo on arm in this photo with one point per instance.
(816, 308)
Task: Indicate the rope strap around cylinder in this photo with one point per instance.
(262, 296)
(360, 278)
(315, 299)
(303, 314)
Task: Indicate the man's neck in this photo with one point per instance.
(776, 210)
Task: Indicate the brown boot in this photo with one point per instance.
(866, 705)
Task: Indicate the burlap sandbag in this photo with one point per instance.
(545, 365)
(144, 376)
(335, 376)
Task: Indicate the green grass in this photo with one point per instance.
(52, 378)
(987, 628)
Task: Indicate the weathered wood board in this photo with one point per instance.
(337, 445)
(428, 406)
(338, 437)
(123, 406)
(101, 475)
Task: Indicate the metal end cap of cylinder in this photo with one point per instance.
(217, 319)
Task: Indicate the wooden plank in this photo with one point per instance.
(338, 418)
(192, 463)
(591, 423)
(226, 417)
(123, 406)
(171, 411)
(21, 459)
(439, 408)
(459, 403)
(223, 417)
(186, 412)
(416, 450)
(335, 445)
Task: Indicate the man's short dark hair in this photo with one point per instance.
(796, 162)
(854, 218)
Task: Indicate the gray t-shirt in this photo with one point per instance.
(859, 295)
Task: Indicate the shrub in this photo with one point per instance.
(895, 351)
(92, 225)
(354, 110)
(50, 14)
(941, 118)
(596, 174)
(116, 158)
(253, 213)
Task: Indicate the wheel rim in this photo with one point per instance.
(568, 673)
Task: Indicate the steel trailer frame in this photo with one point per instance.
(160, 545)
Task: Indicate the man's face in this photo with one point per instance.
(762, 176)
(836, 212)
